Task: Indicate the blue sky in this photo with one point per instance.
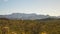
(50, 7)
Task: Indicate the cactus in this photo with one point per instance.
(5, 30)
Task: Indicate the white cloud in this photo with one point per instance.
(5, 0)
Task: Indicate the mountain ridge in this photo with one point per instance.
(25, 16)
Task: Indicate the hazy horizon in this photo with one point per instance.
(45, 7)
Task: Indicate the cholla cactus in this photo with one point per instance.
(5, 30)
(43, 33)
(14, 33)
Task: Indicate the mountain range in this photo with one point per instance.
(24, 16)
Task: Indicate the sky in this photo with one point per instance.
(45, 7)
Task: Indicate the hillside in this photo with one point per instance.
(29, 26)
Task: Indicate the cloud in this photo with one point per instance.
(5, 0)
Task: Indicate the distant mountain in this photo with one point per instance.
(25, 16)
